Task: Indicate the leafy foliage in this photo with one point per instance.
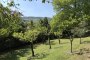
(29, 35)
(4, 32)
(9, 20)
(70, 13)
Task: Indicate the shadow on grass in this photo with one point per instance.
(14, 54)
(85, 42)
(53, 43)
(82, 51)
(21, 52)
(38, 56)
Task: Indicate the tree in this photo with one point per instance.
(44, 27)
(9, 20)
(70, 13)
(71, 41)
(40, 23)
(43, 30)
(49, 41)
(58, 34)
(80, 30)
(28, 36)
(71, 10)
(48, 33)
(45, 22)
(30, 25)
(47, 25)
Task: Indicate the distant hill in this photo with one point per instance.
(34, 18)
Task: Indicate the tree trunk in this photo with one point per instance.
(80, 40)
(71, 40)
(59, 41)
(49, 43)
(71, 46)
(32, 49)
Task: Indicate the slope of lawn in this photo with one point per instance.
(58, 51)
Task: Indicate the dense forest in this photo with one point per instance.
(72, 20)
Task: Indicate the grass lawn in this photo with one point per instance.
(58, 51)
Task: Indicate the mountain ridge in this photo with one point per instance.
(34, 18)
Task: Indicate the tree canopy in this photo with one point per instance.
(70, 13)
(9, 20)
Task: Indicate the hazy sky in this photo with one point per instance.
(35, 8)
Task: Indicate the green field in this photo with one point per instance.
(58, 51)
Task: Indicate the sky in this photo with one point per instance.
(35, 8)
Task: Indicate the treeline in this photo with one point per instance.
(16, 32)
(43, 27)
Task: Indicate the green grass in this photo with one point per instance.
(42, 51)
